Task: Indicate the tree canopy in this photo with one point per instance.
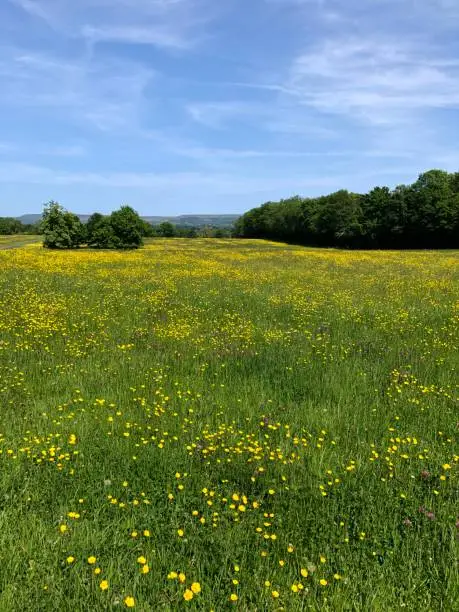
(10, 226)
(61, 229)
(422, 215)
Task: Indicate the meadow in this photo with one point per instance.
(17, 240)
(228, 425)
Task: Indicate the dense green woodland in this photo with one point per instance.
(422, 215)
(9, 226)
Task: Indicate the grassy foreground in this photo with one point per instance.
(219, 425)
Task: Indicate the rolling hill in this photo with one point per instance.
(183, 220)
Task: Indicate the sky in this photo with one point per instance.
(205, 106)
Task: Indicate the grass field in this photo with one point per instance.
(17, 240)
(217, 425)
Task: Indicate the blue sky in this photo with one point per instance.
(194, 106)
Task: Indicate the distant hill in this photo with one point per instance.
(183, 220)
(28, 219)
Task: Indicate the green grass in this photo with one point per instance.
(17, 240)
(143, 391)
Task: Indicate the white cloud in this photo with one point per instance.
(217, 114)
(360, 84)
(163, 23)
(34, 8)
(71, 78)
(62, 151)
(46, 150)
(160, 37)
(218, 183)
(105, 93)
(379, 82)
(209, 154)
(415, 5)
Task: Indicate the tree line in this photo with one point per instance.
(424, 214)
(61, 229)
(166, 229)
(122, 229)
(10, 226)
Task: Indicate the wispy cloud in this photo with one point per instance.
(381, 82)
(44, 150)
(163, 23)
(219, 183)
(106, 93)
(197, 98)
(161, 37)
(62, 150)
(73, 77)
(209, 154)
(35, 8)
(218, 114)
